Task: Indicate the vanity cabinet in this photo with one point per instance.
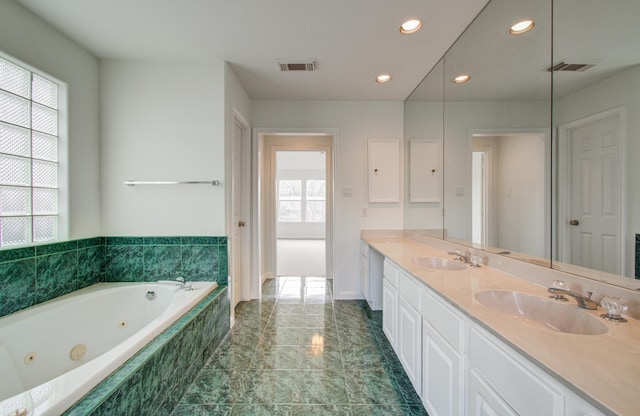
(371, 275)
(401, 320)
(501, 379)
(459, 367)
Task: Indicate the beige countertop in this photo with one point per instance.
(603, 369)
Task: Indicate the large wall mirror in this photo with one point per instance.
(538, 148)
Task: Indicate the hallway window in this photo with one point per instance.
(29, 116)
(298, 196)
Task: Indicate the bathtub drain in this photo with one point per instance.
(78, 351)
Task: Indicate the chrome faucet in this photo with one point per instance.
(460, 257)
(584, 302)
(178, 282)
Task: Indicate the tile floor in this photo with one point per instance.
(299, 352)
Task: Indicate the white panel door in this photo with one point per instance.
(442, 375)
(237, 240)
(595, 196)
(389, 312)
(410, 342)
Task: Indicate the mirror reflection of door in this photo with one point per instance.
(508, 191)
(594, 223)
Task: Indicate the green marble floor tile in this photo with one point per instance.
(320, 387)
(301, 336)
(304, 309)
(232, 357)
(269, 387)
(217, 387)
(286, 357)
(303, 321)
(202, 410)
(320, 410)
(387, 410)
(373, 387)
(261, 409)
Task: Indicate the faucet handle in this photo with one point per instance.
(614, 306)
(180, 279)
(559, 284)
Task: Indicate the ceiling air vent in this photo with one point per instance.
(568, 67)
(306, 65)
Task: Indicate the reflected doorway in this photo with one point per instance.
(509, 181)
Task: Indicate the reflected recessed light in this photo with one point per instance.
(521, 27)
(461, 78)
(383, 78)
(411, 26)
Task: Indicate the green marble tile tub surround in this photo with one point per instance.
(31, 275)
(159, 374)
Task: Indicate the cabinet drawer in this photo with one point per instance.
(512, 377)
(449, 324)
(409, 289)
(390, 273)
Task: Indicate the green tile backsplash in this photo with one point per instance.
(31, 275)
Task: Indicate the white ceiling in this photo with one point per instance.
(352, 40)
(513, 68)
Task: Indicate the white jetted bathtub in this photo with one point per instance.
(54, 353)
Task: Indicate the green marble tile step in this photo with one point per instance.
(320, 410)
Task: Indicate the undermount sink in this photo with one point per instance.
(546, 312)
(438, 264)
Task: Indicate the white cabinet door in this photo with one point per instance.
(442, 375)
(483, 400)
(384, 170)
(410, 342)
(389, 312)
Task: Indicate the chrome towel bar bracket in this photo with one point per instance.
(134, 183)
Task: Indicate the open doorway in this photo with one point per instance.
(295, 206)
(301, 207)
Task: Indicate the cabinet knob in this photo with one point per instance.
(574, 222)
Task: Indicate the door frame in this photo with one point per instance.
(564, 181)
(487, 192)
(331, 232)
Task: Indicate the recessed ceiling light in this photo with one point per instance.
(461, 78)
(411, 26)
(521, 27)
(381, 79)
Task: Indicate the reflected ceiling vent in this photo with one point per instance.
(297, 65)
(569, 67)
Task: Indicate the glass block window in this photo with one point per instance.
(28, 156)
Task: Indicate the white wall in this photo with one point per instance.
(356, 122)
(619, 90)
(29, 39)
(162, 121)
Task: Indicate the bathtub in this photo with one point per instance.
(54, 353)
